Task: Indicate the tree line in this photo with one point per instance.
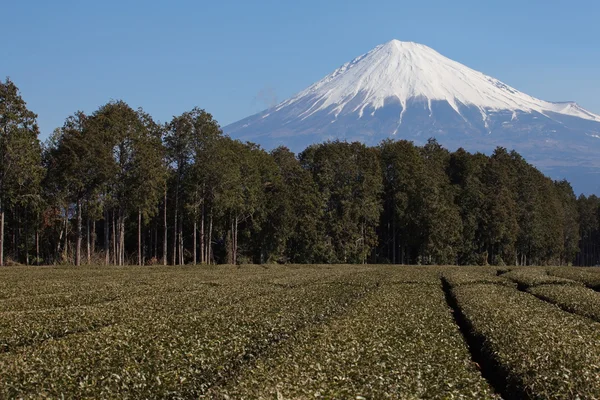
(117, 187)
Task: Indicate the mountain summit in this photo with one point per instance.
(409, 91)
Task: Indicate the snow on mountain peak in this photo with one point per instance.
(407, 71)
(409, 91)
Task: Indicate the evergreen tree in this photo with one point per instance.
(20, 162)
(349, 179)
(465, 171)
(293, 220)
(402, 167)
(148, 174)
(589, 223)
(570, 221)
(440, 223)
(500, 226)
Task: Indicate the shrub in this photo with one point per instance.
(532, 276)
(540, 350)
(575, 299)
(401, 342)
(588, 276)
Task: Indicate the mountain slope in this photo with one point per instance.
(409, 91)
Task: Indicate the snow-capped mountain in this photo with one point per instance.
(409, 91)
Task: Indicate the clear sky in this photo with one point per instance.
(235, 58)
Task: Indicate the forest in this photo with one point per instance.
(116, 187)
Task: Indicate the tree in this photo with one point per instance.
(349, 179)
(79, 165)
(589, 223)
(130, 142)
(440, 222)
(402, 169)
(192, 142)
(465, 171)
(20, 156)
(204, 136)
(500, 227)
(147, 177)
(291, 225)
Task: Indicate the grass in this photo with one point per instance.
(287, 332)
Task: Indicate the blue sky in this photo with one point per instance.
(234, 58)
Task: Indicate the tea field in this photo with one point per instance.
(300, 332)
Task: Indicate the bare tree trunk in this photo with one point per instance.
(26, 239)
(79, 234)
(394, 239)
(175, 232)
(230, 242)
(37, 246)
(1, 234)
(87, 237)
(117, 238)
(165, 229)
(122, 240)
(106, 239)
(209, 245)
(140, 238)
(235, 239)
(364, 256)
(17, 239)
(181, 259)
(155, 233)
(195, 241)
(114, 239)
(66, 249)
(59, 245)
(202, 247)
(402, 255)
(93, 238)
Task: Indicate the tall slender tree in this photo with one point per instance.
(20, 155)
(148, 174)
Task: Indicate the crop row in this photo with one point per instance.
(30, 327)
(533, 276)
(20, 289)
(43, 320)
(536, 349)
(576, 299)
(588, 276)
(175, 355)
(474, 275)
(399, 343)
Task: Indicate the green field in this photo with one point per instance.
(299, 332)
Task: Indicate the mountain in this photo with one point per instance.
(409, 91)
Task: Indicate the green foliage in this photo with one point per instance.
(318, 331)
(532, 276)
(575, 299)
(20, 151)
(348, 176)
(588, 276)
(21, 169)
(474, 275)
(377, 350)
(544, 352)
(181, 344)
(294, 213)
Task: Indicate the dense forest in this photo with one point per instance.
(116, 187)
